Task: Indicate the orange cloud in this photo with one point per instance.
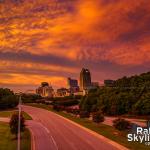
(32, 79)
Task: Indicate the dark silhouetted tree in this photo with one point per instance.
(14, 123)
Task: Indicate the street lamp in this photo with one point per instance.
(19, 122)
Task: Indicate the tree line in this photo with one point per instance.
(7, 99)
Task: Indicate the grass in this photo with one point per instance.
(102, 129)
(7, 141)
(10, 112)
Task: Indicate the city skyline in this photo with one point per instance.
(52, 40)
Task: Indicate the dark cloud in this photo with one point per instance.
(44, 59)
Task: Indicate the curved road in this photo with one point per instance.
(53, 132)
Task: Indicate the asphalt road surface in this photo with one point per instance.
(51, 132)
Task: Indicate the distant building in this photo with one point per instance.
(62, 92)
(80, 93)
(45, 90)
(30, 92)
(85, 79)
(95, 84)
(109, 82)
(73, 85)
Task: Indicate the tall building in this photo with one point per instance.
(73, 85)
(45, 90)
(85, 79)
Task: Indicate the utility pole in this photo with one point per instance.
(19, 122)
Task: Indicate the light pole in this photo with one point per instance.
(19, 122)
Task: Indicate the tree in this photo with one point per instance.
(7, 99)
(14, 123)
(5, 92)
(142, 107)
(121, 124)
(97, 117)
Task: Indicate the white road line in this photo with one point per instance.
(54, 142)
(50, 136)
(44, 128)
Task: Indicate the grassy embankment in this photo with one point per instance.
(7, 141)
(8, 114)
(102, 129)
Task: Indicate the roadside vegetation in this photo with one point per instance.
(8, 99)
(7, 141)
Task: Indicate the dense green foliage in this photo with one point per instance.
(7, 99)
(14, 123)
(30, 98)
(121, 124)
(129, 95)
(62, 103)
(66, 103)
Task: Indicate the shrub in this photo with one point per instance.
(121, 124)
(97, 117)
(84, 114)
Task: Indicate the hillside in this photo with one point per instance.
(129, 95)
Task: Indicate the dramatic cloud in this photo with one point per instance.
(46, 40)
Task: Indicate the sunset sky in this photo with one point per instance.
(49, 40)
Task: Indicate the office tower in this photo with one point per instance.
(72, 83)
(85, 79)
